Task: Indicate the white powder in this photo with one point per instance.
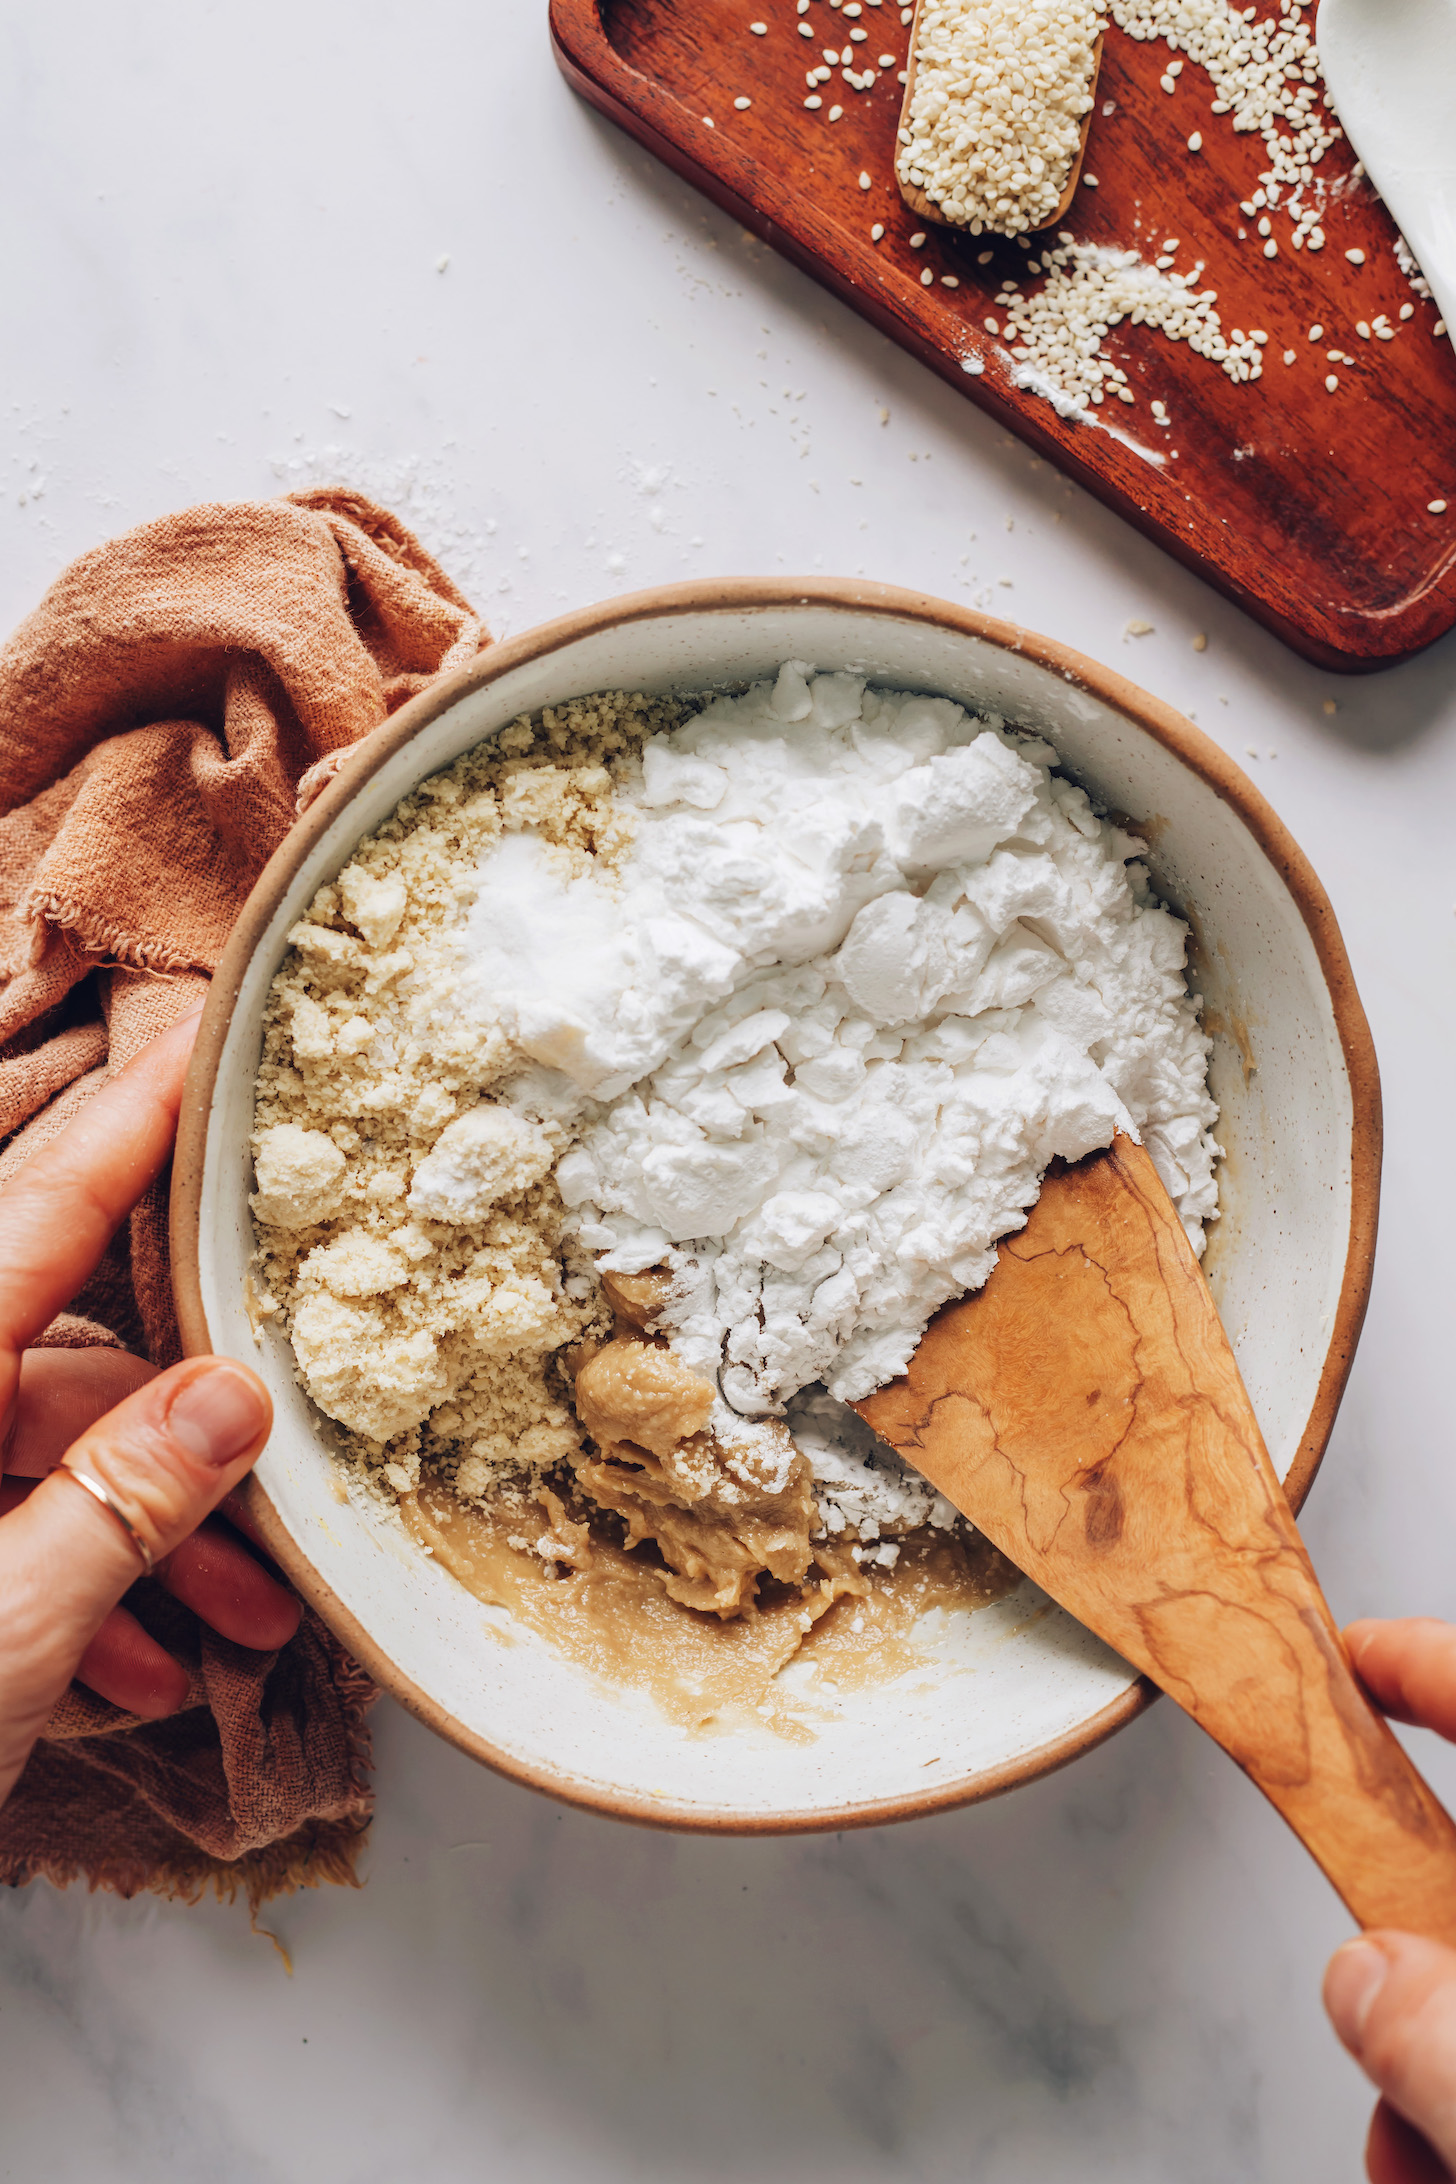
(870, 966)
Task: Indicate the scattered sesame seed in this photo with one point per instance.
(1138, 629)
(887, 60)
(1289, 356)
(902, 76)
(1362, 329)
(806, 30)
(760, 30)
(1407, 310)
(1435, 508)
(1089, 181)
(1271, 249)
(1330, 707)
(1200, 642)
(1356, 257)
(1385, 333)
(707, 121)
(917, 240)
(949, 280)
(877, 231)
(927, 277)
(1195, 142)
(1266, 225)
(813, 101)
(984, 257)
(974, 365)
(1331, 382)
(1439, 328)
(741, 106)
(1169, 83)
(864, 180)
(1316, 333)
(835, 112)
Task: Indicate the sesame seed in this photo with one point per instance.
(877, 231)
(1289, 356)
(984, 257)
(1200, 642)
(1439, 328)
(1362, 329)
(760, 30)
(1271, 250)
(707, 121)
(835, 112)
(1331, 708)
(1356, 257)
(813, 102)
(1195, 142)
(1265, 226)
(806, 30)
(1169, 83)
(917, 240)
(887, 60)
(741, 106)
(927, 277)
(993, 326)
(1407, 310)
(1385, 333)
(1316, 333)
(1436, 508)
(1089, 181)
(1331, 382)
(864, 180)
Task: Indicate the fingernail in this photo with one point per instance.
(218, 1415)
(1354, 1978)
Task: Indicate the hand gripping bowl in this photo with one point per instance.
(1293, 1071)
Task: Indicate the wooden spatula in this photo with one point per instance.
(1085, 1411)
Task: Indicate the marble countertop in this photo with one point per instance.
(224, 263)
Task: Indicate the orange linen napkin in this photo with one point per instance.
(176, 699)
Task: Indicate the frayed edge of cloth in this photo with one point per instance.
(97, 938)
(322, 1852)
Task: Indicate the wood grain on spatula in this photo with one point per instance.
(1085, 1411)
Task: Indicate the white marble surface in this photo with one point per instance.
(218, 257)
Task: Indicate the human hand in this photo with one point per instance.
(168, 1447)
(1392, 1997)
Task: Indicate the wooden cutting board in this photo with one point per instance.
(1308, 508)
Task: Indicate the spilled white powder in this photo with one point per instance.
(871, 965)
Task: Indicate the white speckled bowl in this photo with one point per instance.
(1294, 1072)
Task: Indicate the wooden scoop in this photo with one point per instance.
(927, 209)
(1085, 1411)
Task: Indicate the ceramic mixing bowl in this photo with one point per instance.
(1018, 1687)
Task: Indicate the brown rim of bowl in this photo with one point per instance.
(734, 595)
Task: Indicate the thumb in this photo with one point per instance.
(164, 1458)
(1392, 2000)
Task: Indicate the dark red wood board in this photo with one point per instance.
(1309, 509)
